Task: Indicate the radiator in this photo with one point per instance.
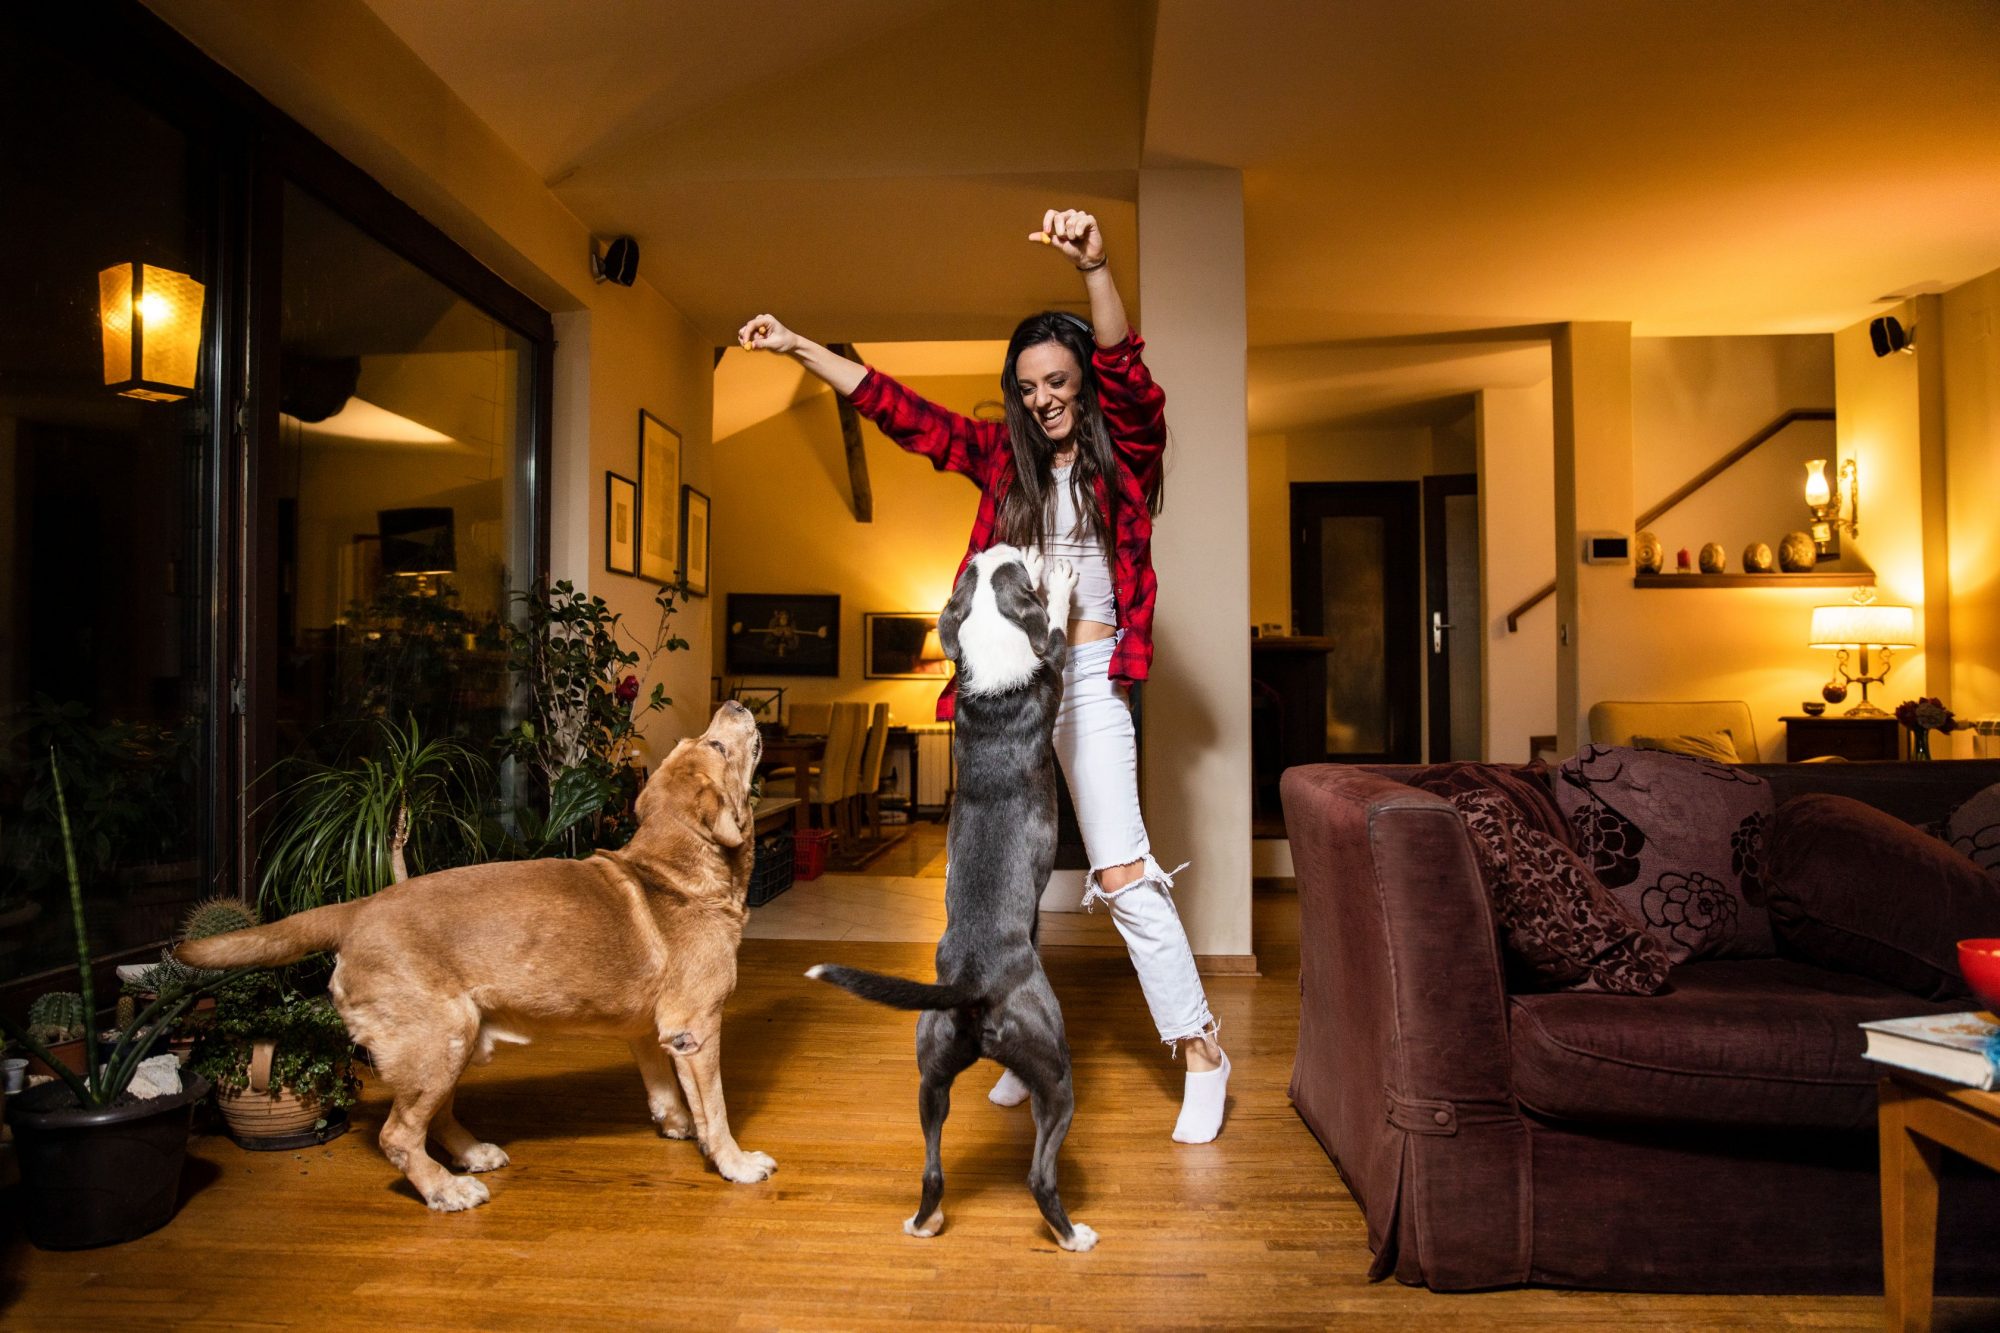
(933, 764)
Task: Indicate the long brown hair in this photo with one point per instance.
(1028, 504)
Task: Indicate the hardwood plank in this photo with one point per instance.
(599, 1223)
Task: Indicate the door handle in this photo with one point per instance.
(1438, 626)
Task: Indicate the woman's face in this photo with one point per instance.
(1049, 379)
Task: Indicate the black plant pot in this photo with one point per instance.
(100, 1177)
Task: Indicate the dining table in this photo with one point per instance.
(801, 752)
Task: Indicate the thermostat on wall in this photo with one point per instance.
(1606, 548)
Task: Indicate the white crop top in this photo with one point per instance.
(1069, 540)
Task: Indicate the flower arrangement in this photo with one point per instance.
(1926, 715)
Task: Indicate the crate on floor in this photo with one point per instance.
(810, 853)
(771, 871)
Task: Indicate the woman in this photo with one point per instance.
(1074, 472)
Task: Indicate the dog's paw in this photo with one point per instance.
(457, 1194)
(930, 1227)
(483, 1157)
(1081, 1238)
(1033, 560)
(676, 1130)
(1062, 581)
(747, 1168)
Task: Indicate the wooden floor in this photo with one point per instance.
(598, 1223)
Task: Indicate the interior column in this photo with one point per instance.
(1592, 365)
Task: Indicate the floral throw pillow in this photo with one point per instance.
(1973, 829)
(1562, 930)
(1679, 841)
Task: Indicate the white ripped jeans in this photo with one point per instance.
(1099, 754)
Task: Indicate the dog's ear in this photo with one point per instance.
(1015, 595)
(956, 610)
(719, 814)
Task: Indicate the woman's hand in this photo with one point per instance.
(766, 334)
(1075, 233)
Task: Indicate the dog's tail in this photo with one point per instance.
(898, 992)
(284, 941)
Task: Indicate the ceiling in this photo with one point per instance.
(1415, 169)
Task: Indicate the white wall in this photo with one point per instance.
(1516, 517)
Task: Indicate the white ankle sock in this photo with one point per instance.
(1201, 1105)
(1009, 1091)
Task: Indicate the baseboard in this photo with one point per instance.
(1227, 964)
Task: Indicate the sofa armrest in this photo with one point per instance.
(1403, 1067)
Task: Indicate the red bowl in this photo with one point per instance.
(1979, 961)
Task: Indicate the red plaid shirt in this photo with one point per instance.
(1134, 408)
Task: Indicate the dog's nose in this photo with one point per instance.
(733, 707)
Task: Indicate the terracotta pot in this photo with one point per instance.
(258, 1112)
(69, 1052)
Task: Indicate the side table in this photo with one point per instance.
(1858, 738)
(1917, 1119)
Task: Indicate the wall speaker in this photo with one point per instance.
(1887, 334)
(619, 263)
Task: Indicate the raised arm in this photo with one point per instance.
(1134, 406)
(1077, 236)
(953, 443)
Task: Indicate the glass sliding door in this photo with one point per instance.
(108, 481)
(402, 474)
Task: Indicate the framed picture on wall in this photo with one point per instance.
(765, 702)
(782, 634)
(621, 525)
(694, 541)
(659, 499)
(902, 645)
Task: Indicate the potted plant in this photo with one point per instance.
(55, 1020)
(142, 983)
(281, 1062)
(99, 1164)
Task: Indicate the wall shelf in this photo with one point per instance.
(1846, 579)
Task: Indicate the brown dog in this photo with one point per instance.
(639, 943)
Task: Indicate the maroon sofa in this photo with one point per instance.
(1719, 1137)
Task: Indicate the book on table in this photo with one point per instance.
(1962, 1048)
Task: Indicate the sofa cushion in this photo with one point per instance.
(1679, 841)
(1526, 787)
(1763, 1041)
(1973, 829)
(1559, 925)
(1857, 890)
(1717, 745)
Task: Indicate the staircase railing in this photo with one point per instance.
(1699, 480)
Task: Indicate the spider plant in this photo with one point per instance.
(345, 832)
(102, 1081)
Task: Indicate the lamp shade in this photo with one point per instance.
(1817, 491)
(1858, 626)
(152, 330)
(933, 649)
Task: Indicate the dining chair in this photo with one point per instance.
(808, 719)
(868, 785)
(840, 763)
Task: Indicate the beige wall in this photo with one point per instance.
(783, 523)
(335, 67)
(1516, 516)
(1971, 343)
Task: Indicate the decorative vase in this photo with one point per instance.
(1796, 553)
(1757, 558)
(1920, 743)
(1713, 559)
(1650, 554)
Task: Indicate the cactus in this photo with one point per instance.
(128, 1012)
(55, 1017)
(216, 916)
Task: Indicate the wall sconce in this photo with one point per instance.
(1864, 626)
(1835, 508)
(152, 331)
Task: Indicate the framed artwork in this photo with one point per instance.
(694, 541)
(621, 526)
(659, 499)
(782, 634)
(765, 702)
(902, 645)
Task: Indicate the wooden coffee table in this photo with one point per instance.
(1919, 1117)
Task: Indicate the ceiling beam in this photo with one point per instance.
(857, 457)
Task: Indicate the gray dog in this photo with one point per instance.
(991, 997)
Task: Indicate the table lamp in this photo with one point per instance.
(1863, 626)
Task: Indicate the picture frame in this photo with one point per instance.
(765, 702)
(782, 634)
(659, 499)
(621, 524)
(893, 646)
(694, 541)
